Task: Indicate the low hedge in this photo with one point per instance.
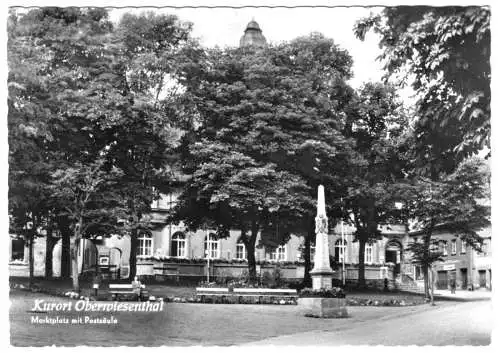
(334, 292)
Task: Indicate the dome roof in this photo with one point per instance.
(253, 36)
(253, 25)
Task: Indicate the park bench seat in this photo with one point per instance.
(127, 290)
(240, 293)
(262, 293)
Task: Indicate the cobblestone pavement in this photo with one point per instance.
(184, 324)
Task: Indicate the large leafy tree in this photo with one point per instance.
(153, 47)
(376, 122)
(444, 54)
(268, 113)
(459, 201)
(30, 111)
(86, 191)
(83, 98)
(232, 191)
(69, 97)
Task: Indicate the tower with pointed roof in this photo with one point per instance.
(253, 36)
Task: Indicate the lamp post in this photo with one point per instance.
(343, 241)
(207, 254)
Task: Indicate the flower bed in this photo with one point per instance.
(384, 302)
(177, 260)
(322, 293)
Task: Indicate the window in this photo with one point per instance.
(463, 247)
(312, 252)
(454, 247)
(484, 247)
(340, 250)
(241, 251)
(211, 246)
(145, 247)
(368, 253)
(178, 248)
(279, 254)
(444, 247)
(419, 274)
(17, 249)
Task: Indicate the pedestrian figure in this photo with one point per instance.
(453, 286)
(136, 286)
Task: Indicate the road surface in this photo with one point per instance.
(465, 323)
(232, 324)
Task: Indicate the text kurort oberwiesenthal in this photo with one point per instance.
(84, 305)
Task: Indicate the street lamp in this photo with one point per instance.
(207, 254)
(343, 241)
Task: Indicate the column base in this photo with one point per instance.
(322, 279)
(323, 307)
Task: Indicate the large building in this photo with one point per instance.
(171, 249)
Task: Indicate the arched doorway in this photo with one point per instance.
(394, 254)
(115, 261)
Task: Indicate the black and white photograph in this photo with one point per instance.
(248, 174)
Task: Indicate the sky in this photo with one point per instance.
(224, 27)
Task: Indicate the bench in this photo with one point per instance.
(241, 293)
(202, 293)
(262, 293)
(128, 290)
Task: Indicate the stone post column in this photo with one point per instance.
(322, 273)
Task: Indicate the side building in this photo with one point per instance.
(468, 268)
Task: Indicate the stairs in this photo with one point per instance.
(408, 284)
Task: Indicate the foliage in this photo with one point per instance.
(424, 255)
(175, 260)
(77, 98)
(376, 122)
(334, 292)
(86, 192)
(262, 116)
(444, 53)
(459, 201)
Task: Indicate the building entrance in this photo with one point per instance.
(463, 277)
(482, 278)
(442, 280)
(393, 253)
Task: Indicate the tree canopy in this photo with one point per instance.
(444, 54)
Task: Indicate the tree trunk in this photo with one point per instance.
(65, 250)
(307, 281)
(425, 270)
(361, 265)
(49, 248)
(74, 264)
(432, 286)
(134, 243)
(250, 245)
(425, 265)
(31, 237)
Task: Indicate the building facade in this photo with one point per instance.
(187, 254)
(468, 268)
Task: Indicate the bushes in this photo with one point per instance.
(322, 293)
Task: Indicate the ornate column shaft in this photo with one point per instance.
(322, 273)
